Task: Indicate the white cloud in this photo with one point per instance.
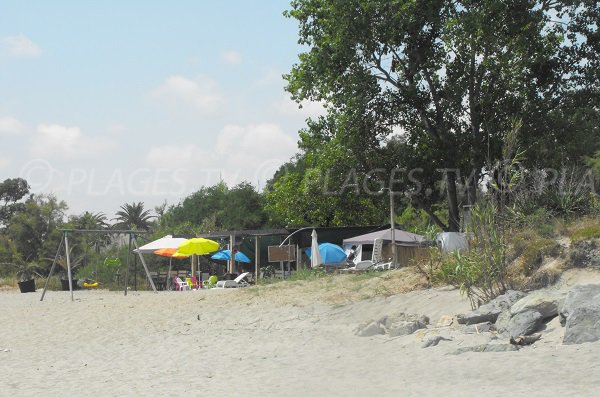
(287, 107)
(4, 162)
(202, 93)
(58, 141)
(19, 46)
(240, 153)
(231, 57)
(10, 126)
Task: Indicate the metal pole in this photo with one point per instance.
(127, 266)
(231, 253)
(144, 264)
(257, 257)
(69, 265)
(62, 238)
(393, 225)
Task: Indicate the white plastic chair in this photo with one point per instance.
(238, 282)
(181, 285)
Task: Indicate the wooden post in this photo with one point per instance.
(231, 263)
(298, 258)
(257, 257)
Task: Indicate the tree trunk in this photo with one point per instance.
(453, 214)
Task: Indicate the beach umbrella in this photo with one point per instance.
(225, 255)
(170, 253)
(197, 246)
(329, 253)
(315, 260)
(167, 241)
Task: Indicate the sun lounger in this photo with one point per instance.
(238, 282)
(211, 282)
(181, 285)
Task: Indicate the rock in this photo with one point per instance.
(583, 325)
(525, 340)
(546, 302)
(524, 323)
(404, 328)
(433, 341)
(486, 348)
(445, 321)
(370, 329)
(579, 296)
(478, 328)
(490, 311)
(394, 325)
(502, 321)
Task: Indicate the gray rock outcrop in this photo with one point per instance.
(490, 311)
(394, 325)
(579, 296)
(583, 325)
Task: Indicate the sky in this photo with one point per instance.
(113, 102)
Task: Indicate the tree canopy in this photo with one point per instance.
(449, 78)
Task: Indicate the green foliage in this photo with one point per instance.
(133, 217)
(480, 273)
(11, 192)
(216, 207)
(308, 274)
(586, 233)
(452, 76)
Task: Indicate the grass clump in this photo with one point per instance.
(586, 233)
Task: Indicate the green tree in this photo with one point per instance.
(450, 76)
(34, 229)
(11, 192)
(217, 207)
(134, 217)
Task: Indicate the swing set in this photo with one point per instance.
(108, 261)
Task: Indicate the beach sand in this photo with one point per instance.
(264, 341)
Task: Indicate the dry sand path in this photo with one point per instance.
(242, 343)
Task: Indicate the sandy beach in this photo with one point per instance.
(263, 341)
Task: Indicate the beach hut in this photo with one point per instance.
(408, 245)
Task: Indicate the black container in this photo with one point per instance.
(64, 283)
(27, 286)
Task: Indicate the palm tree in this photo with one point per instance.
(133, 216)
(93, 221)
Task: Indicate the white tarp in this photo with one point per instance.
(400, 236)
(315, 257)
(452, 241)
(167, 241)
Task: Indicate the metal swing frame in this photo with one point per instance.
(65, 240)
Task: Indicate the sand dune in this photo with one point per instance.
(264, 342)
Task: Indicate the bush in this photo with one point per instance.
(481, 272)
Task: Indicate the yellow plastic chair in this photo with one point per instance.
(211, 282)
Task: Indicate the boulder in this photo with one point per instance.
(403, 324)
(394, 325)
(502, 321)
(478, 328)
(490, 311)
(445, 321)
(524, 323)
(546, 302)
(582, 325)
(486, 348)
(370, 329)
(579, 296)
(433, 341)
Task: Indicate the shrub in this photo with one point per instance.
(481, 272)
